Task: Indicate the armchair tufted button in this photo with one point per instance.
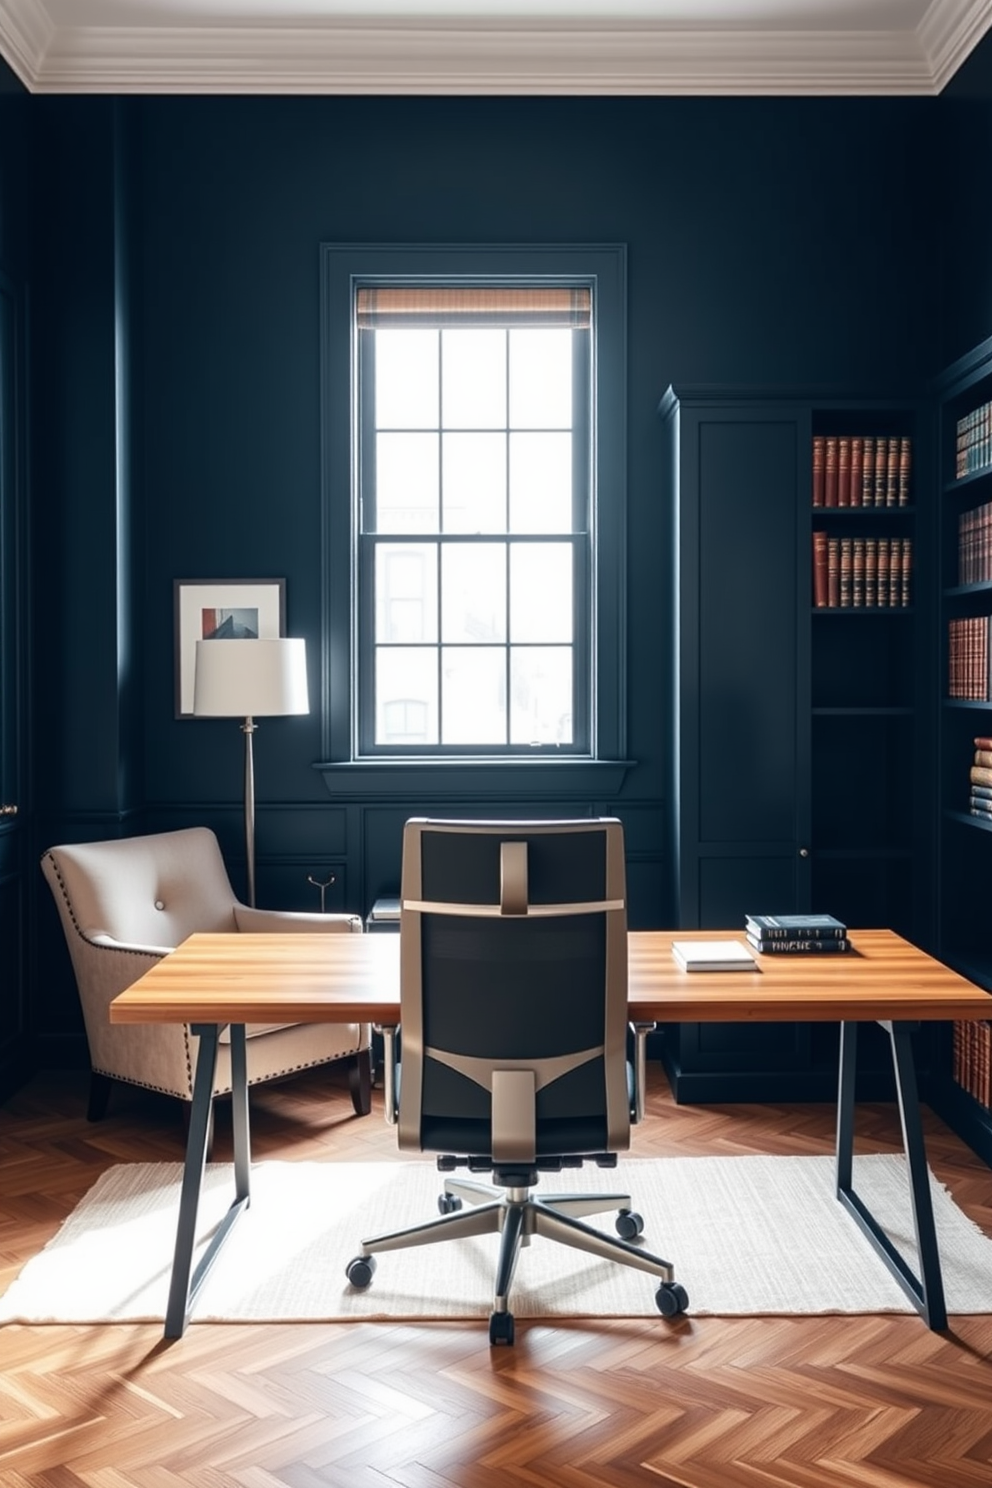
(159, 904)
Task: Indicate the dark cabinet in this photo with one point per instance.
(799, 750)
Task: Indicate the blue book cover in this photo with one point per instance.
(795, 927)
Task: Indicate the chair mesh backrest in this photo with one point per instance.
(514, 970)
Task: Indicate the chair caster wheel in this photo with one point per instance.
(448, 1203)
(671, 1298)
(501, 1327)
(629, 1224)
(360, 1271)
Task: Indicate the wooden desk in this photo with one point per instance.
(212, 981)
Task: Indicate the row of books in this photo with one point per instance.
(861, 470)
(861, 572)
(973, 448)
(969, 657)
(971, 1059)
(975, 545)
(980, 778)
(796, 935)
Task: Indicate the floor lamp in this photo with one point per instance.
(250, 679)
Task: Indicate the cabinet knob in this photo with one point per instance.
(8, 810)
(804, 852)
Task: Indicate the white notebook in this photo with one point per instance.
(713, 955)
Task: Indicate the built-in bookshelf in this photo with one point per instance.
(959, 1081)
(868, 688)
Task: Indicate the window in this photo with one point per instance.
(474, 525)
(486, 514)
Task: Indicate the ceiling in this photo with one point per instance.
(825, 47)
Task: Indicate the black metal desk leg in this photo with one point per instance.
(177, 1310)
(239, 1111)
(183, 1287)
(845, 1104)
(926, 1291)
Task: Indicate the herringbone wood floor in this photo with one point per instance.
(878, 1402)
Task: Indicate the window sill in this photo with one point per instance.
(519, 779)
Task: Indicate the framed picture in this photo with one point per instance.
(222, 610)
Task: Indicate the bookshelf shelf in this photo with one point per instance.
(967, 820)
(966, 591)
(861, 513)
(967, 482)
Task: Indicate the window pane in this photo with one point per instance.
(474, 482)
(406, 695)
(473, 701)
(541, 690)
(540, 483)
(473, 379)
(541, 592)
(406, 379)
(406, 497)
(405, 593)
(473, 592)
(541, 379)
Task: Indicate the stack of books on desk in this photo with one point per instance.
(796, 935)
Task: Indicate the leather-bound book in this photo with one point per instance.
(830, 471)
(821, 583)
(857, 470)
(843, 470)
(819, 469)
(905, 468)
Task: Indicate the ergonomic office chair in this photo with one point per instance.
(513, 1007)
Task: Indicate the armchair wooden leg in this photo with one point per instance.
(360, 1081)
(100, 1086)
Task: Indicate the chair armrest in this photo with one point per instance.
(108, 943)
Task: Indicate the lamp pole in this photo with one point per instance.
(248, 728)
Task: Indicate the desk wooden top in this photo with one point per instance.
(355, 978)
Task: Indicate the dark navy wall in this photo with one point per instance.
(788, 242)
(964, 207)
(769, 241)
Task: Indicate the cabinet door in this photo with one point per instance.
(743, 789)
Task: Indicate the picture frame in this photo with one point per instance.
(221, 609)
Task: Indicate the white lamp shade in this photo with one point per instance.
(242, 679)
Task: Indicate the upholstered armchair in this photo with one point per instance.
(125, 904)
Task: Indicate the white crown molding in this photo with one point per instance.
(476, 59)
(949, 33)
(481, 57)
(25, 35)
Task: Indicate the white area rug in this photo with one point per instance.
(746, 1235)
